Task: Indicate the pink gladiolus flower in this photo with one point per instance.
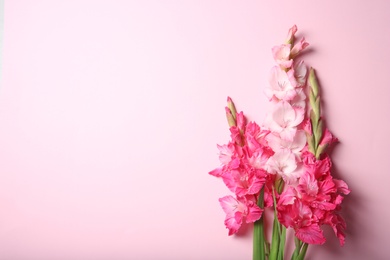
(316, 193)
(226, 153)
(282, 84)
(288, 197)
(284, 163)
(244, 181)
(238, 209)
(285, 119)
(281, 55)
(317, 167)
(312, 234)
(299, 100)
(229, 156)
(300, 217)
(296, 145)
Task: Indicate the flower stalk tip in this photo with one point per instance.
(232, 108)
(230, 118)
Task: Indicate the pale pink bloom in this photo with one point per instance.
(281, 54)
(284, 163)
(284, 120)
(282, 84)
(296, 145)
(226, 153)
(299, 101)
(229, 156)
(300, 73)
(298, 47)
(238, 209)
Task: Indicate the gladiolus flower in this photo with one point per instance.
(282, 84)
(281, 55)
(285, 119)
(237, 210)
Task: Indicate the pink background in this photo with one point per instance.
(110, 112)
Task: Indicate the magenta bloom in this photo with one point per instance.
(313, 202)
(239, 209)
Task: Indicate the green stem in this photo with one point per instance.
(300, 250)
(298, 245)
(303, 251)
(275, 241)
(258, 232)
(275, 232)
(282, 243)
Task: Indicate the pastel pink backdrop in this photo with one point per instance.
(110, 112)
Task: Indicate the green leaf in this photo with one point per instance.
(275, 232)
(275, 240)
(298, 245)
(282, 243)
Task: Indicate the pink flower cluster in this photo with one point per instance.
(242, 170)
(276, 158)
(313, 201)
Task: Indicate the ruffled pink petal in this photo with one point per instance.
(254, 213)
(216, 172)
(288, 197)
(342, 187)
(311, 234)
